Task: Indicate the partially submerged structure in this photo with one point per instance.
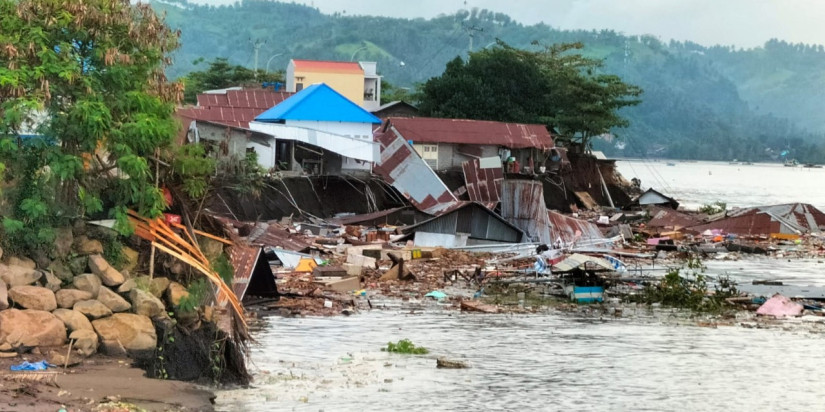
(787, 220)
(470, 223)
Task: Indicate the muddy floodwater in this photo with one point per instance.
(536, 362)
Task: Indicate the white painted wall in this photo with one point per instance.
(353, 140)
(266, 154)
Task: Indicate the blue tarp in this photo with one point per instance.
(318, 102)
(27, 366)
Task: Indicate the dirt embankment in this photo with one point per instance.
(100, 383)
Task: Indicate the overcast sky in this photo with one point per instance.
(744, 23)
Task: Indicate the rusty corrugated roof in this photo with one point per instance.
(244, 258)
(474, 132)
(404, 169)
(483, 185)
(665, 217)
(570, 229)
(788, 218)
(235, 107)
(522, 204)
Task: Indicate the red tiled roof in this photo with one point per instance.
(234, 108)
(478, 132)
(328, 66)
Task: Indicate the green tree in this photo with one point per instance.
(89, 76)
(221, 74)
(552, 86)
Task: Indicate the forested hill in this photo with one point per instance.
(716, 103)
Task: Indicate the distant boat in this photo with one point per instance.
(671, 164)
(812, 166)
(791, 163)
(747, 163)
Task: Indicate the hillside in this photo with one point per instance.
(715, 103)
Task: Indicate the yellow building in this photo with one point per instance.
(358, 82)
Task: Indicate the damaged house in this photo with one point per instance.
(318, 131)
(446, 144)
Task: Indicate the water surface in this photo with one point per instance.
(698, 183)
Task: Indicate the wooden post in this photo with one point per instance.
(152, 248)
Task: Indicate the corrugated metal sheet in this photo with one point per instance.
(571, 230)
(474, 219)
(318, 102)
(483, 184)
(576, 260)
(664, 217)
(404, 169)
(244, 258)
(271, 235)
(801, 215)
(472, 132)
(792, 218)
(370, 219)
(235, 107)
(748, 225)
(522, 204)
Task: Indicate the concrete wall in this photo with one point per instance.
(351, 85)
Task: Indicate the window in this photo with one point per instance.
(299, 87)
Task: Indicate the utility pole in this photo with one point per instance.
(471, 30)
(257, 44)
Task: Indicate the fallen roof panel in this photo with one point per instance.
(483, 184)
(577, 260)
(404, 169)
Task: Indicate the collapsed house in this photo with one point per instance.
(787, 220)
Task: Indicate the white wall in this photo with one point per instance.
(353, 140)
(266, 154)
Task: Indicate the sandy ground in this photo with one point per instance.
(99, 383)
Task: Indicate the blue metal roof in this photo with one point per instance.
(318, 102)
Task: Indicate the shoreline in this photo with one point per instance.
(98, 383)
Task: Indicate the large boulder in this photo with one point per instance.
(31, 328)
(18, 275)
(85, 341)
(4, 296)
(132, 332)
(175, 292)
(127, 286)
(85, 246)
(112, 300)
(66, 298)
(146, 304)
(22, 262)
(109, 275)
(73, 319)
(33, 297)
(93, 309)
(88, 282)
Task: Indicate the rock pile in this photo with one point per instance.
(86, 301)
